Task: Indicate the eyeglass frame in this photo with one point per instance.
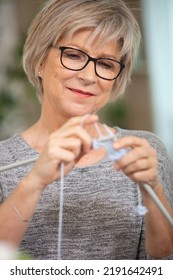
(90, 58)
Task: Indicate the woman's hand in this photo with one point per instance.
(140, 163)
(66, 145)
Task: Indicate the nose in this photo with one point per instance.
(88, 74)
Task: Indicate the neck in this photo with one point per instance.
(38, 134)
(48, 123)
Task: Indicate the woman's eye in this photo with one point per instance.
(73, 55)
(105, 65)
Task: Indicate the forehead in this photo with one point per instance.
(90, 41)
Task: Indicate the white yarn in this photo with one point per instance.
(98, 130)
(140, 210)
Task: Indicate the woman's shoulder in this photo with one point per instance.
(8, 146)
(14, 148)
(151, 137)
(10, 143)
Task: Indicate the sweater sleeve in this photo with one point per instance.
(165, 169)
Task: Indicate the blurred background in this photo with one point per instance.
(148, 101)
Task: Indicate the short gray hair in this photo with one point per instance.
(110, 20)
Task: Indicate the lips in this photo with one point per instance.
(81, 92)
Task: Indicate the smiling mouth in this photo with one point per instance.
(81, 93)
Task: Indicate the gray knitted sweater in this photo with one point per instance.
(99, 220)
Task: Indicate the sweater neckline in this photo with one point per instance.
(33, 151)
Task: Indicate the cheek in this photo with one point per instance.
(104, 97)
(52, 77)
(107, 89)
(61, 75)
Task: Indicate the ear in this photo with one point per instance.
(40, 71)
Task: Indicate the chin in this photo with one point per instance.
(79, 112)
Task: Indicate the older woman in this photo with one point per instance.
(78, 54)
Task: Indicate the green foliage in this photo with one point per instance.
(16, 95)
(24, 256)
(115, 113)
(6, 103)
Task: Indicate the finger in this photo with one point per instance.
(131, 157)
(137, 166)
(65, 155)
(86, 119)
(75, 132)
(58, 154)
(145, 176)
(72, 144)
(130, 141)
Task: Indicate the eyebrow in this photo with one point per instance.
(105, 55)
(109, 56)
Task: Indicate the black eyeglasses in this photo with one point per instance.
(76, 60)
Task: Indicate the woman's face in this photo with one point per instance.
(73, 93)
